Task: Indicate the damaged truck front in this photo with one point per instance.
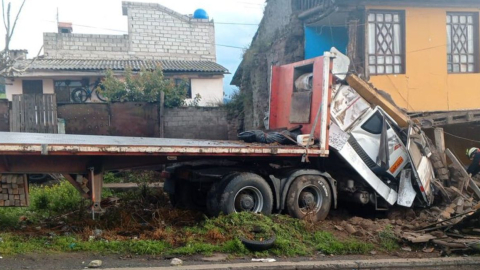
(374, 159)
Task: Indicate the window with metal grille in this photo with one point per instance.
(462, 42)
(386, 42)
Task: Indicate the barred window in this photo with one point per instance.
(386, 42)
(462, 42)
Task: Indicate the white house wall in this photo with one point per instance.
(15, 87)
(210, 90)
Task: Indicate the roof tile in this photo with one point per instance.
(135, 65)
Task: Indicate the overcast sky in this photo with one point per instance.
(105, 17)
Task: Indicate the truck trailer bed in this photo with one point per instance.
(63, 144)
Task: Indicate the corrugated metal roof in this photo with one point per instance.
(135, 65)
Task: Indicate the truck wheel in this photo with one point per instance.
(309, 197)
(244, 192)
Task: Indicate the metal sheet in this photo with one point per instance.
(301, 107)
(31, 143)
(87, 119)
(134, 119)
(406, 193)
(349, 154)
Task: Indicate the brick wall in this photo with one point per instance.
(13, 190)
(198, 123)
(154, 31)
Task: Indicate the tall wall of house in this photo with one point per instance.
(426, 84)
(154, 31)
(85, 46)
(279, 40)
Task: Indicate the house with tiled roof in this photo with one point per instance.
(183, 46)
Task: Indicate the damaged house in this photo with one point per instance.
(423, 54)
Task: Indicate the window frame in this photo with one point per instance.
(403, 53)
(56, 84)
(29, 85)
(189, 89)
(476, 42)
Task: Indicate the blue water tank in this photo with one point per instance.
(200, 14)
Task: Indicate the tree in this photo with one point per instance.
(7, 61)
(145, 86)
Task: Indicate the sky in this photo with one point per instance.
(105, 17)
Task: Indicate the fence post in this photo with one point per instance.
(161, 120)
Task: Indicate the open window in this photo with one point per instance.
(301, 105)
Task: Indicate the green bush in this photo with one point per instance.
(145, 86)
(57, 199)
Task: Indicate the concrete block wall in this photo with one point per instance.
(13, 190)
(85, 46)
(154, 32)
(209, 123)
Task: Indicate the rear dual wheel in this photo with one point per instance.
(309, 198)
(240, 192)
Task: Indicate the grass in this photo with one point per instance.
(294, 238)
(388, 240)
(3, 95)
(142, 224)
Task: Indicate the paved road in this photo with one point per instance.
(436, 263)
(71, 261)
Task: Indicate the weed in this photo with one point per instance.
(388, 240)
(328, 244)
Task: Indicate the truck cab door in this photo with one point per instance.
(366, 139)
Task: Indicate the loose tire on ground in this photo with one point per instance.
(309, 197)
(241, 192)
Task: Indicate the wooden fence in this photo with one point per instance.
(34, 113)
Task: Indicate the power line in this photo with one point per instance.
(176, 39)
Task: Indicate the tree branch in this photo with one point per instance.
(16, 18)
(4, 15)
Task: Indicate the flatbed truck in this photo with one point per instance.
(355, 151)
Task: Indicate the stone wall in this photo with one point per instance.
(13, 190)
(279, 40)
(199, 123)
(154, 31)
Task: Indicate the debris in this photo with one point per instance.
(428, 250)
(373, 252)
(97, 233)
(409, 249)
(350, 229)
(417, 237)
(340, 228)
(267, 260)
(215, 258)
(176, 262)
(95, 264)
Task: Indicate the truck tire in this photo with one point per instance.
(241, 192)
(309, 196)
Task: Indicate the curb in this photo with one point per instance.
(343, 264)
